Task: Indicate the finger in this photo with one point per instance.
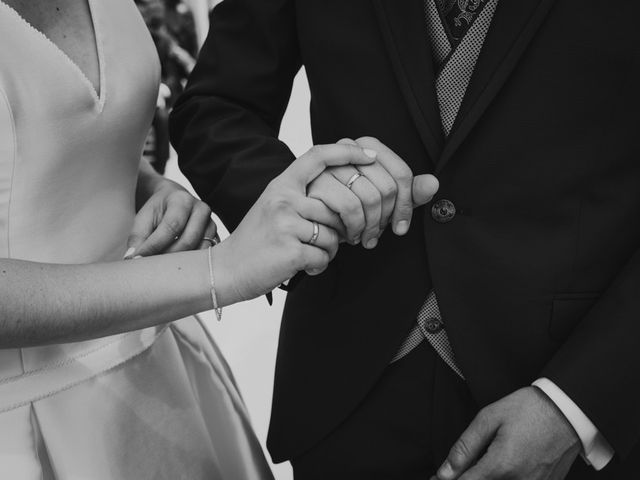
(143, 225)
(473, 441)
(403, 176)
(194, 230)
(383, 181)
(341, 200)
(385, 184)
(327, 239)
(370, 198)
(169, 228)
(306, 168)
(493, 465)
(211, 232)
(314, 260)
(424, 188)
(316, 211)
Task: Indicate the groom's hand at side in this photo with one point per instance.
(523, 436)
(369, 197)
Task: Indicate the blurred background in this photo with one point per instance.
(248, 332)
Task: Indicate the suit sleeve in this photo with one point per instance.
(225, 125)
(598, 367)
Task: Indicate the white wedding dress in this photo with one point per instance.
(153, 404)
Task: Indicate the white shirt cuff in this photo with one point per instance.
(595, 449)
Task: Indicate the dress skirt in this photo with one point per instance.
(160, 403)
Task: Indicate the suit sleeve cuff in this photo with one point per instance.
(595, 449)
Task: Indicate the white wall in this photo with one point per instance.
(248, 333)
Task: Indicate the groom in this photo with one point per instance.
(499, 337)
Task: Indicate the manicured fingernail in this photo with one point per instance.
(372, 243)
(445, 471)
(370, 153)
(137, 257)
(128, 253)
(402, 227)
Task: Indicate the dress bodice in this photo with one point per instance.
(69, 156)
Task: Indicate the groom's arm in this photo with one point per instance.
(598, 367)
(225, 125)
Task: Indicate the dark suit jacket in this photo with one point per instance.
(539, 272)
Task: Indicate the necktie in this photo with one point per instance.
(457, 29)
(457, 16)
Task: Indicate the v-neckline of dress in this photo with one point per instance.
(99, 95)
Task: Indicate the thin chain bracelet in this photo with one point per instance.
(214, 297)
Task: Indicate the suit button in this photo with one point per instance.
(433, 325)
(443, 211)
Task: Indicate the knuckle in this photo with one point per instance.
(404, 175)
(354, 150)
(404, 211)
(135, 238)
(316, 151)
(389, 190)
(367, 140)
(283, 224)
(204, 208)
(278, 205)
(173, 225)
(188, 240)
(459, 452)
(181, 197)
(299, 257)
(371, 198)
(353, 207)
(354, 222)
(485, 413)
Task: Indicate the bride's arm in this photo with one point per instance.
(48, 303)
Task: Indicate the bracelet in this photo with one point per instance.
(214, 297)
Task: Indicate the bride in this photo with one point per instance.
(104, 373)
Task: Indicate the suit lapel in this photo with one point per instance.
(405, 35)
(513, 26)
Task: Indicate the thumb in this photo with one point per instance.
(143, 225)
(424, 188)
(473, 441)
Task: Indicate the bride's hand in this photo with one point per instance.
(274, 240)
(171, 220)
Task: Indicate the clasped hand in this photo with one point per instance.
(276, 238)
(351, 190)
(384, 192)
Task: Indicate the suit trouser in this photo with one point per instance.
(405, 427)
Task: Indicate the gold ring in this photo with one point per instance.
(315, 235)
(353, 179)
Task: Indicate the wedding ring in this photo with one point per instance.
(353, 179)
(212, 241)
(315, 235)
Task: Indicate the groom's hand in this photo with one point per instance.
(387, 192)
(521, 437)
